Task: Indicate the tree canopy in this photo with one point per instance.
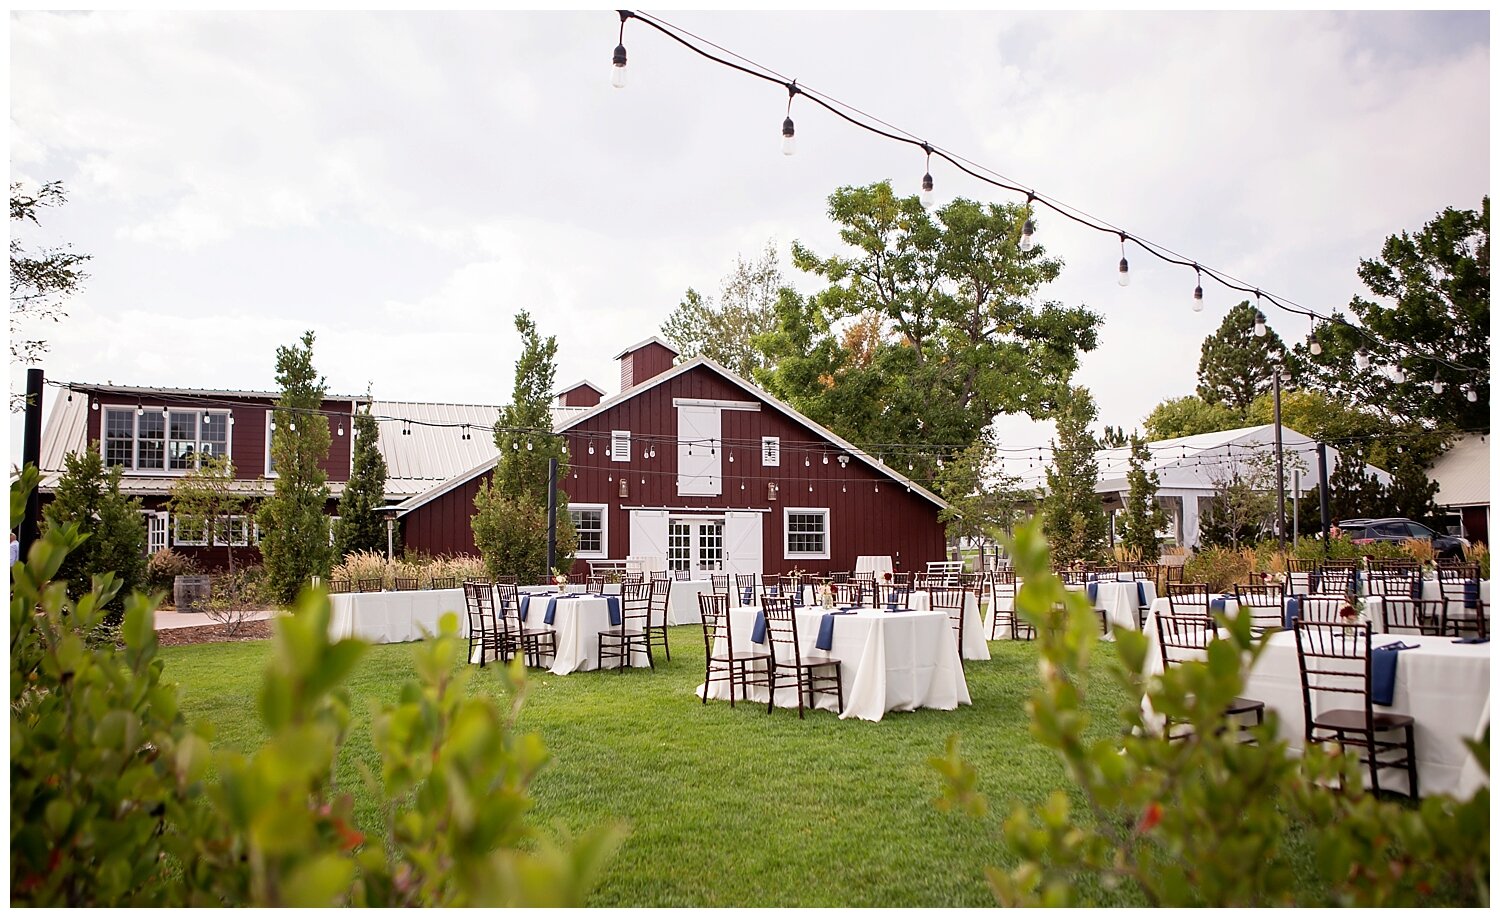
(928, 330)
(40, 279)
(723, 330)
(1237, 367)
(294, 524)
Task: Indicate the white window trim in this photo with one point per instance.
(775, 458)
(614, 445)
(603, 551)
(252, 532)
(135, 439)
(786, 533)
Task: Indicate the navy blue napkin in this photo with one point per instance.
(758, 633)
(1292, 612)
(1383, 671)
(1476, 639)
(1216, 603)
(614, 610)
(1140, 593)
(1471, 594)
(747, 596)
(1092, 588)
(525, 605)
(1416, 588)
(825, 629)
(551, 609)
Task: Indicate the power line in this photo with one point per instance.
(869, 123)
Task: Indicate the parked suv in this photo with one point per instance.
(1397, 529)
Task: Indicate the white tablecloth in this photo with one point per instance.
(682, 601)
(577, 621)
(1445, 686)
(394, 617)
(874, 564)
(890, 661)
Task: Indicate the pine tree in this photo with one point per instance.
(1235, 365)
(1352, 493)
(360, 527)
(1072, 514)
(510, 519)
(294, 524)
(1143, 519)
(90, 496)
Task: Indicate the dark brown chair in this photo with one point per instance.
(849, 593)
(407, 583)
(533, 638)
(1003, 593)
(813, 677)
(950, 600)
(1423, 616)
(444, 583)
(1073, 576)
(656, 625)
(839, 577)
(370, 585)
(1338, 578)
(683, 574)
(1300, 575)
(744, 583)
(1189, 599)
(1396, 581)
(721, 585)
(339, 586)
(722, 662)
(1460, 588)
(1184, 638)
(1266, 602)
(1328, 610)
(1335, 660)
(618, 641)
(485, 633)
(594, 583)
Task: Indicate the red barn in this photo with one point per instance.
(694, 466)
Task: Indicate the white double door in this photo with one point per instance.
(709, 543)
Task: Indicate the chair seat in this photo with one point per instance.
(1244, 706)
(627, 634)
(812, 664)
(739, 656)
(1355, 720)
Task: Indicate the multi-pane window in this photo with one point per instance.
(711, 546)
(588, 523)
(153, 440)
(679, 546)
(234, 530)
(806, 533)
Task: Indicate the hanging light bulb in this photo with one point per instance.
(1124, 265)
(139, 410)
(806, 462)
(273, 426)
(1437, 386)
(528, 446)
(292, 426)
(341, 428)
(591, 447)
(825, 458)
(515, 445)
(927, 196)
(1471, 394)
(1198, 291)
(1398, 376)
(731, 457)
(789, 130)
(1028, 229)
(617, 75)
(165, 411)
(1260, 324)
(70, 395)
(96, 405)
(1314, 347)
(1362, 359)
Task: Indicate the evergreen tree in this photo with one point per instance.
(360, 527)
(510, 522)
(1351, 492)
(89, 495)
(204, 500)
(981, 505)
(1143, 519)
(1072, 514)
(1235, 365)
(294, 524)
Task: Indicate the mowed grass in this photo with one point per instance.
(726, 807)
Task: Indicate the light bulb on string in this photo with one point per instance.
(806, 462)
(1198, 290)
(140, 411)
(1314, 347)
(1437, 386)
(927, 196)
(1470, 394)
(825, 459)
(1028, 229)
(292, 426)
(341, 428)
(617, 74)
(789, 130)
(1124, 265)
(1260, 324)
(95, 406)
(1362, 359)
(1398, 375)
(528, 446)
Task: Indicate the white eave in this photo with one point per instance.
(640, 344)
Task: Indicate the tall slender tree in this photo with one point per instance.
(360, 527)
(1236, 366)
(510, 519)
(1143, 519)
(205, 500)
(1072, 514)
(295, 541)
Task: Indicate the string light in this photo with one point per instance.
(341, 428)
(1362, 359)
(1028, 229)
(1198, 290)
(1437, 386)
(1313, 346)
(1470, 393)
(617, 73)
(868, 123)
(789, 130)
(1124, 265)
(1260, 324)
(139, 411)
(1398, 376)
(927, 197)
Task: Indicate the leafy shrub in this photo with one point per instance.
(112, 802)
(88, 496)
(165, 566)
(1203, 820)
(1479, 554)
(1220, 568)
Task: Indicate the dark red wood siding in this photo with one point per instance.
(247, 436)
(644, 363)
(582, 395)
(862, 521)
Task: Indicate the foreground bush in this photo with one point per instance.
(111, 803)
(1205, 821)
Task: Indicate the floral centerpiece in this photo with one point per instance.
(825, 595)
(1353, 611)
(560, 579)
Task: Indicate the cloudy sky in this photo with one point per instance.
(405, 183)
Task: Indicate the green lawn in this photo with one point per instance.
(726, 807)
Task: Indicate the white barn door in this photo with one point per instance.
(648, 537)
(742, 542)
(698, 452)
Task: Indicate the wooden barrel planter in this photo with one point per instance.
(190, 592)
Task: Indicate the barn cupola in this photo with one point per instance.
(644, 360)
(582, 394)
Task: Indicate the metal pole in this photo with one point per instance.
(1323, 494)
(1296, 505)
(31, 453)
(551, 515)
(1280, 462)
(390, 539)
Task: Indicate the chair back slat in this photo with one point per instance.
(1189, 598)
(1266, 602)
(781, 629)
(1181, 638)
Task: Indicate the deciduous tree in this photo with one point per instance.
(722, 330)
(205, 500)
(40, 279)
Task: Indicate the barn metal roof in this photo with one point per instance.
(1463, 473)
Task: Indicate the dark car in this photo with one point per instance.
(1398, 529)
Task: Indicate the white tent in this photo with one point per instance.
(1191, 469)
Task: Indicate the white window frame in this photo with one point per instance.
(251, 531)
(266, 465)
(603, 509)
(786, 533)
(770, 451)
(616, 438)
(135, 437)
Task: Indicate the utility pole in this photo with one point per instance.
(551, 515)
(31, 454)
(1280, 461)
(1323, 494)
